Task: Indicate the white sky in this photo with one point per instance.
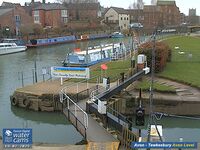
(183, 5)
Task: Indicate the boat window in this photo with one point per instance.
(81, 57)
(1, 45)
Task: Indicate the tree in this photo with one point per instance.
(137, 5)
(26, 30)
(163, 54)
(37, 29)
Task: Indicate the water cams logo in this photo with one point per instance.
(17, 138)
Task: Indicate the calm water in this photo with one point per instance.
(54, 127)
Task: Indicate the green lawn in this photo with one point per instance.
(114, 69)
(183, 67)
(145, 84)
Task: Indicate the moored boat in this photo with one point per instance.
(117, 35)
(19, 42)
(7, 48)
(95, 55)
(51, 41)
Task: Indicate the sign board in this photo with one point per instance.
(154, 131)
(17, 138)
(70, 72)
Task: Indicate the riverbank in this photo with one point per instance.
(184, 102)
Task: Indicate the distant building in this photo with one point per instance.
(193, 19)
(80, 1)
(192, 12)
(119, 18)
(13, 16)
(171, 14)
(50, 14)
(153, 18)
(136, 15)
(83, 11)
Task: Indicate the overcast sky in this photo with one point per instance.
(183, 5)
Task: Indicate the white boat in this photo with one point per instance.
(7, 48)
(96, 55)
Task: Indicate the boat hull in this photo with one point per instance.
(10, 50)
(86, 64)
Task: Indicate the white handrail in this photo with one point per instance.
(85, 119)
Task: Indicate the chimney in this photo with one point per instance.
(43, 1)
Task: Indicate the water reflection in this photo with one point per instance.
(40, 117)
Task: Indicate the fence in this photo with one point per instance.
(34, 75)
(77, 116)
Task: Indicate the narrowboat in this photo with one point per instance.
(51, 41)
(94, 55)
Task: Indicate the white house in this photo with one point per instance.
(118, 16)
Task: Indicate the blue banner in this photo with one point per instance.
(155, 145)
(17, 138)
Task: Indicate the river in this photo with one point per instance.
(54, 127)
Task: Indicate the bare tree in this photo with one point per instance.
(137, 5)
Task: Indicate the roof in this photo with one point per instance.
(83, 6)
(151, 8)
(134, 11)
(166, 2)
(50, 6)
(4, 10)
(120, 10)
(8, 4)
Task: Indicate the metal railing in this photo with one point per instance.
(74, 108)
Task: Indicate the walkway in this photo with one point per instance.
(95, 132)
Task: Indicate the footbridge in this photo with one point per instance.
(93, 128)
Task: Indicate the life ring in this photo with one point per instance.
(26, 102)
(14, 100)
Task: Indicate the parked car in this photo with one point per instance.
(136, 25)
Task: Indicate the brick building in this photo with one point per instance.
(13, 16)
(152, 17)
(171, 13)
(50, 14)
(83, 11)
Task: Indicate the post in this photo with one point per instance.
(33, 75)
(22, 79)
(35, 66)
(61, 81)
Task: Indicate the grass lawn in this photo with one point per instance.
(113, 71)
(145, 84)
(185, 64)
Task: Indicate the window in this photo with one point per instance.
(17, 18)
(64, 19)
(36, 13)
(63, 13)
(127, 18)
(124, 18)
(36, 19)
(121, 18)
